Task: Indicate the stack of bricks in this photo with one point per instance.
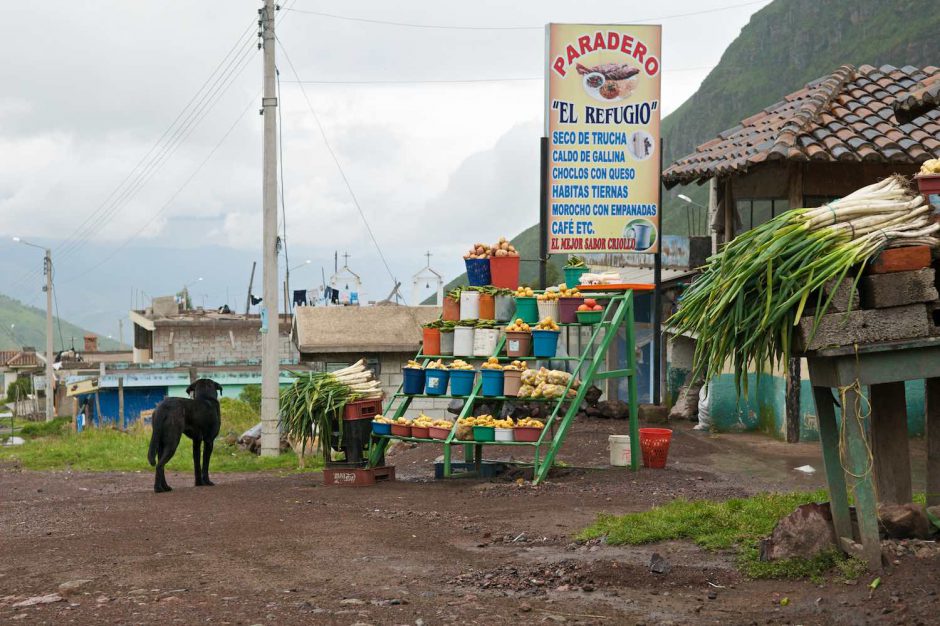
(896, 299)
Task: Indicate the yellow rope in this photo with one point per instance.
(860, 417)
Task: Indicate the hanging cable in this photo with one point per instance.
(280, 164)
(342, 173)
(55, 299)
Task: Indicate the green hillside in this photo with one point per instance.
(785, 45)
(22, 325)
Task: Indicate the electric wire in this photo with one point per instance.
(339, 167)
(55, 299)
(348, 18)
(280, 165)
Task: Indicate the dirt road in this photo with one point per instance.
(270, 549)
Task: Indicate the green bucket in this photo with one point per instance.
(573, 275)
(527, 309)
(484, 433)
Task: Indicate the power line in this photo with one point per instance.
(510, 28)
(326, 142)
(55, 298)
(458, 80)
(280, 165)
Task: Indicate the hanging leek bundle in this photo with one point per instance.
(315, 400)
(744, 306)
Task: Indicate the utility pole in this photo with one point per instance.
(270, 436)
(120, 333)
(50, 371)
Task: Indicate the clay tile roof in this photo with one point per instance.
(23, 359)
(885, 114)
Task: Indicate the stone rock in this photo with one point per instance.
(49, 598)
(352, 602)
(614, 409)
(659, 565)
(904, 521)
(886, 290)
(653, 414)
(593, 395)
(804, 533)
(72, 586)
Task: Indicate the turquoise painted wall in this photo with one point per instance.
(764, 409)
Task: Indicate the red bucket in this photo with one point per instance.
(432, 342)
(504, 271)
(654, 442)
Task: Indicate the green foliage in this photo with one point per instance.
(252, 395)
(852, 568)
(29, 328)
(237, 416)
(110, 450)
(19, 389)
(33, 430)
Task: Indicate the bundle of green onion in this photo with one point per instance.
(314, 401)
(743, 308)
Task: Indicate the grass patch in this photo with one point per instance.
(733, 524)
(107, 449)
(34, 430)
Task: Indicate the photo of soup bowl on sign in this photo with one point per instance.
(642, 234)
(608, 82)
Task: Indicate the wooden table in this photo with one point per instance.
(880, 463)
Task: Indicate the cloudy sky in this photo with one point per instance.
(142, 176)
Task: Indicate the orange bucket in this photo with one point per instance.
(654, 442)
(487, 307)
(504, 271)
(451, 311)
(432, 342)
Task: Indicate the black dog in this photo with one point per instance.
(198, 418)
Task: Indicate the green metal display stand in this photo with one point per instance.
(618, 314)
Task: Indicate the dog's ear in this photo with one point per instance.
(218, 387)
(189, 390)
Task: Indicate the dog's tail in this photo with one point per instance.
(152, 450)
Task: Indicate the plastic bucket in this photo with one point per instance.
(413, 380)
(619, 450)
(463, 340)
(461, 382)
(478, 273)
(512, 381)
(381, 429)
(588, 317)
(654, 442)
(503, 434)
(573, 275)
(548, 308)
(401, 430)
(451, 310)
(435, 383)
(492, 382)
(484, 433)
(505, 307)
(432, 341)
(527, 433)
(447, 343)
(484, 341)
(420, 432)
(568, 310)
(438, 433)
(545, 343)
(527, 309)
(504, 271)
(470, 305)
(518, 344)
(487, 307)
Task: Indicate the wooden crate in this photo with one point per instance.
(357, 476)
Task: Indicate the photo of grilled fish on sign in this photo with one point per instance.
(608, 82)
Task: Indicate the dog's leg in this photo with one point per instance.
(196, 467)
(206, 455)
(166, 453)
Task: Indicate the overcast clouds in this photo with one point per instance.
(435, 166)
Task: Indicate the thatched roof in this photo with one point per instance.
(360, 329)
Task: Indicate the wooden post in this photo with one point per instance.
(889, 446)
(835, 476)
(121, 402)
(728, 203)
(793, 410)
(97, 408)
(932, 394)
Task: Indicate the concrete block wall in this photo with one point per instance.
(193, 344)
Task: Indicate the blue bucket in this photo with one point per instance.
(545, 343)
(492, 382)
(478, 272)
(461, 382)
(414, 381)
(436, 382)
(381, 429)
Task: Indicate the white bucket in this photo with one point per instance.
(548, 308)
(619, 450)
(504, 434)
(484, 341)
(463, 341)
(469, 305)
